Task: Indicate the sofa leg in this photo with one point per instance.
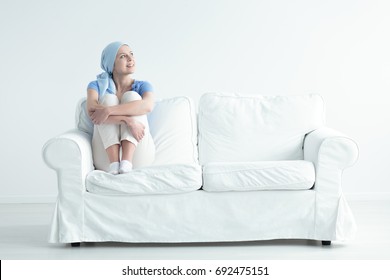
(75, 244)
(326, 243)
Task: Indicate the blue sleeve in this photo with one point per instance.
(93, 85)
(144, 87)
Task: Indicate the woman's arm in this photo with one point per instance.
(134, 108)
(92, 101)
(93, 105)
(136, 127)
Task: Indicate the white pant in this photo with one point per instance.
(106, 135)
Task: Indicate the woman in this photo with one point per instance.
(117, 105)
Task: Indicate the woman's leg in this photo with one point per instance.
(105, 142)
(113, 153)
(139, 153)
(128, 149)
(128, 142)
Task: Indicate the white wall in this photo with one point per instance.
(50, 50)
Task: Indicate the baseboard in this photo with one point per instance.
(29, 199)
(367, 196)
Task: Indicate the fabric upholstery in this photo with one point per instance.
(234, 132)
(172, 124)
(260, 175)
(239, 128)
(163, 179)
(173, 127)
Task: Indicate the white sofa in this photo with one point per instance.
(242, 168)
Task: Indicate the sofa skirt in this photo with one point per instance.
(198, 216)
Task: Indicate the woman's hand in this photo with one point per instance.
(99, 114)
(137, 128)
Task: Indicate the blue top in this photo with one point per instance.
(138, 86)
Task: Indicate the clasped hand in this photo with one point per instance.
(137, 128)
(99, 114)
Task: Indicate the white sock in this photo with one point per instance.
(114, 168)
(125, 167)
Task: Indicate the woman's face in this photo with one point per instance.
(124, 61)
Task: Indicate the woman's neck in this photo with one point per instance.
(123, 83)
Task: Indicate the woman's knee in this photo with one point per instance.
(109, 100)
(130, 96)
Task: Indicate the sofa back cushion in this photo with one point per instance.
(173, 127)
(83, 122)
(238, 128)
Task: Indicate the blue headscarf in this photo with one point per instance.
(105, 81)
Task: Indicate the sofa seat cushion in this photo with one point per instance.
(164, 179)
(260, 175)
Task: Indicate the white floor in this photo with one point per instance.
(24, 229)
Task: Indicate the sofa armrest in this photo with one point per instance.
(331, 152)
(326, 146)
(70, 155)
(70, 151)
